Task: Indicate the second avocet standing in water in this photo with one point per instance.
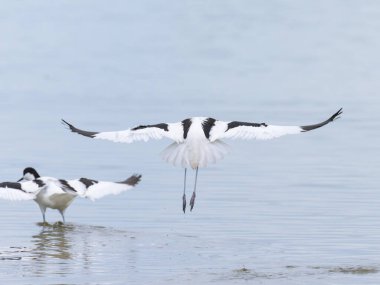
(49, 192)
(197, 141)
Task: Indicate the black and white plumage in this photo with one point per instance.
(198, 140)
(49, 192)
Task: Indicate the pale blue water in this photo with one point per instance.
(298, 210)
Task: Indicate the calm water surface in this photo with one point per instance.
(297, 210)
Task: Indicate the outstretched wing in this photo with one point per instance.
(17, 191)
(93, 189)
(260, 131)
(172, 131)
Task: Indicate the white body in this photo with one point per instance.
(52, 196)
(196, 150)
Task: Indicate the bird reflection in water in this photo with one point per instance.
(69, 249)
(56, 250)
(52, 241)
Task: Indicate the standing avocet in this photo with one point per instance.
(58, 194)
(197, 141)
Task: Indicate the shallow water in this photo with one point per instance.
(297, 210)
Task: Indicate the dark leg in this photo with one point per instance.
(184, 195)
(195, 188)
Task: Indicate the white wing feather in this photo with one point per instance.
(243, 130)
(102, 189)
(129, 136)
(264, 132)
(141, 133)
(28, 191)
(15, 194)
(99, 189)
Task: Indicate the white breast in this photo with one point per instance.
(54, 197)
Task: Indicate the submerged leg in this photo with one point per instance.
(43, 210)
(192, 200)
(63, 216)
(184, 195)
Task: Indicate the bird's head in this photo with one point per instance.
(29, 174)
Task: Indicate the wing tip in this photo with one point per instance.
(329, 120)
(68, 125)
(78, 131)
(132, 180)
(336, 115)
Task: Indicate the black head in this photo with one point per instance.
(30, 174)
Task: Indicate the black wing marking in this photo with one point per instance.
(79, 131)
(13, 185)
(66, 185)
(162, 126)
(332, 118)
(235, 124)
(88, 182)
(207, 126)
(186, 126)
(39, 182)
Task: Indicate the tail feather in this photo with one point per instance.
(182, 155)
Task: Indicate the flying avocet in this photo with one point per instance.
(58, 194)
(197, 140)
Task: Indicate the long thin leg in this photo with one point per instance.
(63, 215)
(192, 200)
(43, 210)
(184, 194)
